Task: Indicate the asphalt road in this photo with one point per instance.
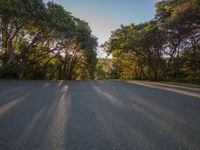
(98, 115)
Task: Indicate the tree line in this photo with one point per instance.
(164, 48)
(44, 41)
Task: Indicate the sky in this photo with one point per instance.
(105, 16)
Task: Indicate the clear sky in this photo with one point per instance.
(105, 16)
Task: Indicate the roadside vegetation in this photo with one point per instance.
(165, 48)
(44, 41)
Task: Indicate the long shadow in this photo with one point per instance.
(176, 115)
(119, 115)
(31, 123)
(86, 115)
(83, 130)
(189, 88)
(169, 99)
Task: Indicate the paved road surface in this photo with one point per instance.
(98, 115)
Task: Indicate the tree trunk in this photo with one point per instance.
(11, 53)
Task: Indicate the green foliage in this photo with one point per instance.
(9, 72)
(44, 41)
(165, 48)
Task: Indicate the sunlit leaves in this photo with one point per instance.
(45, 39)
(156, 46)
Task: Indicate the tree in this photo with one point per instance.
(43, 41)
(152, 50)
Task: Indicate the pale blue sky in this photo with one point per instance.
(105, 16)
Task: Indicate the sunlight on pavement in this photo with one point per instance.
(172, 88)
(111, 98)
(9, 105)
(26, 134)
(56, 133)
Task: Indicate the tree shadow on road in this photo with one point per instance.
(96, 115)
(31, 123)
(119, 115)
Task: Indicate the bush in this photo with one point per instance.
(9, 72)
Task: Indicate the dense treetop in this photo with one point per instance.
(44, 41)
(165, 48)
